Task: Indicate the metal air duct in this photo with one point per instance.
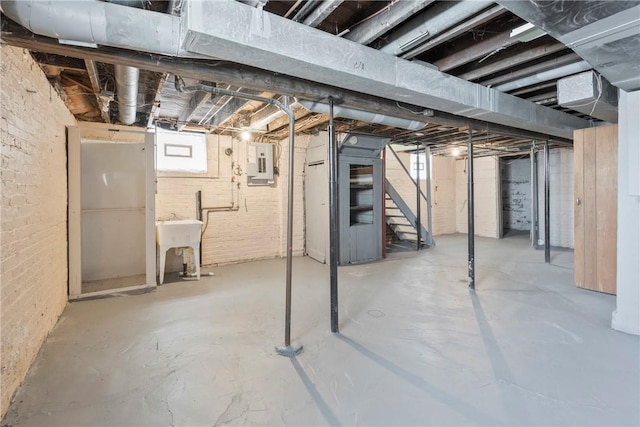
(127, 86)
(279, 45)
(231, 31)
(365, 116)
(384, 20)
(590, 94)
(93, 22)
(604, 33)
(268, 114)
(430, 23)
(321, 12)
(544, 76)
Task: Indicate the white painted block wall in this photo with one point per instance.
(443, 194)
(561, 200)
(626, 317)
(442, 190)
(486, 196)
(33, 210)
(256, 228)
(403, 184)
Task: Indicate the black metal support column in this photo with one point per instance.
(418, 219)
(547, 228)
(333, 220)
(470, 209)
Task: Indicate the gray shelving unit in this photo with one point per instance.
(361, 198)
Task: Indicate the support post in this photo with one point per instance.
(470, 211)
(418, 219)
(333, 220)
(547, 228)
(288, 350)
(534, 196)
(427, 156)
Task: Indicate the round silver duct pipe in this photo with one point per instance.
(365, 116)
(127, 86)
(544, 76)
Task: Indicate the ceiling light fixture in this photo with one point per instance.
(245, 135)
(526, 33)
(455, 152)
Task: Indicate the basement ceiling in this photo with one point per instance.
(472, 40)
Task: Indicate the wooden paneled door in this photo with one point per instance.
(596, 207)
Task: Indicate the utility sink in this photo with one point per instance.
(178, 234)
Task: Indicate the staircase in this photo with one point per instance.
(401, 219)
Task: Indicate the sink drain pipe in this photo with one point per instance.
(289, 349)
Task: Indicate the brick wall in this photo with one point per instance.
(301, 144)
(256, 228)
(486, 194)
(516, 193)
(34, 214)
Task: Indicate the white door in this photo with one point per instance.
(317, 211)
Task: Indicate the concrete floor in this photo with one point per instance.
(416, 348)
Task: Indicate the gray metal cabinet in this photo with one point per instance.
(360, 198)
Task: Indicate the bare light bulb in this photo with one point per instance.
(455, 152)
(245, 135)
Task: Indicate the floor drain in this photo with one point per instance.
(375, 313)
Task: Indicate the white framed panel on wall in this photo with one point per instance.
(181, 151)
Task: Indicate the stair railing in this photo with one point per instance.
(427, 233)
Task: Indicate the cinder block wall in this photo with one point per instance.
(443, 194)
(486, 176)
(561, 200)
(33, 231)
(256, 228)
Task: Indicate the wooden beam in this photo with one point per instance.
(156, 99)
(95, 83)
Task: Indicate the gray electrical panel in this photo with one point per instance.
(259, 164)
(361, 205)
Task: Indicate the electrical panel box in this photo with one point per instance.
(259, 164)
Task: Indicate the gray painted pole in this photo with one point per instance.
(333, 220)
(418, 219)
(427, 155)
(470, 209)
(534, 196)
(547, 228)
(288, 349)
